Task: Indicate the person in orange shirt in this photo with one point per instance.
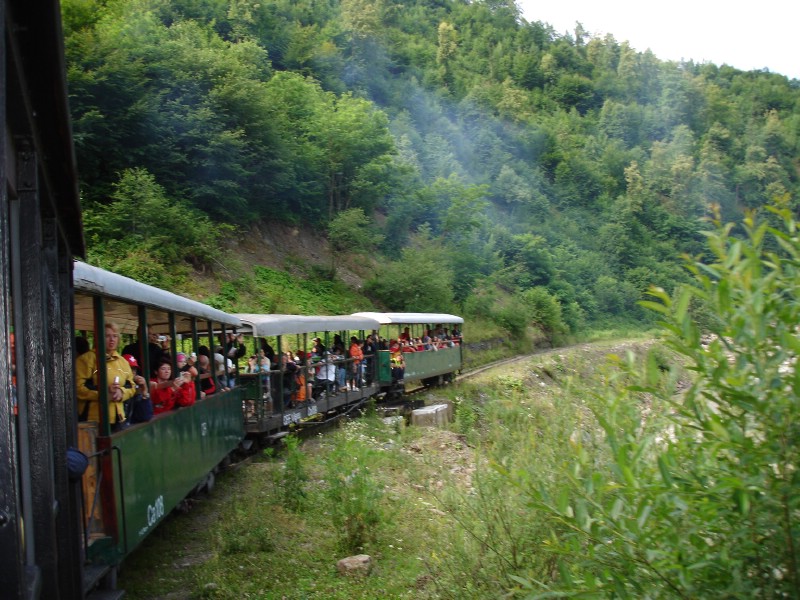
(299, 393)
(397, 361)
(356, 356)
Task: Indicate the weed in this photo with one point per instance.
(466, 414)
(293, 477)
(354, 495)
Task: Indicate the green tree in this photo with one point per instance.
(545, 311)
(421, 281)
(144, 234)
(351, 233)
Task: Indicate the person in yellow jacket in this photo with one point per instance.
(121, 386)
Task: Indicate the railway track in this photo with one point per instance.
(495, 364)
(409, 402)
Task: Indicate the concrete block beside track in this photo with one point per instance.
(436, 415)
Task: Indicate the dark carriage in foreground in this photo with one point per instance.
(40, 233)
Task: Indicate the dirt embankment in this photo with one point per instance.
(295, 249)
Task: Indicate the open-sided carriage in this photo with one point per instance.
(432, 362)
(269, 408)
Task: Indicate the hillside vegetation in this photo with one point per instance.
(456, 156)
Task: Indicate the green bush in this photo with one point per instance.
(695, 493)
(354, 495)
(293, 477)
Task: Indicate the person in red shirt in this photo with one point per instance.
(164, 391)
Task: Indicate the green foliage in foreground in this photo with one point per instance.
(694, 493)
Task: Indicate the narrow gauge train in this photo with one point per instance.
(137, 475)
(269, 408)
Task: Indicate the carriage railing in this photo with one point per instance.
(95, 524)
(265, 396)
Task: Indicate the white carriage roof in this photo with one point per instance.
(271, 325)
(95, 281)
(412, 318)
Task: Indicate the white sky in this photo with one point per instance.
(745, 34)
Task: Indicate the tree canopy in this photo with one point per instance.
(574, 164)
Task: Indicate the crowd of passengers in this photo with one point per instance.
(322, 372)
(134, 398)
(314, 374)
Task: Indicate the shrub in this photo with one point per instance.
(354, 495)
(293, 476)
(696, 495)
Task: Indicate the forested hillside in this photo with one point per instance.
(515, 172)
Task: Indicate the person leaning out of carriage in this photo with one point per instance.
(121, 386)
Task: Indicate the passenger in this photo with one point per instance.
(268, 351)
(230, 367)
(325, 379)
(427, 341)
(318, 349)
(448, 339)
(370, 350)
(289, 368)
(397, 361)
(234, 350)
(341, 371)
(164, 390)
(166, 342)
(141, 407)
(338, 346)
(407, 346)
(264, 368)
(456, 333)
(118, 373)
(356, 356)
(187, 393)
(154, 351)
(234, 347)
(221, 368)
(300, 391)
(184, 366)
(405, 336)
(81, 345)
(207, 385)
(252, 365)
